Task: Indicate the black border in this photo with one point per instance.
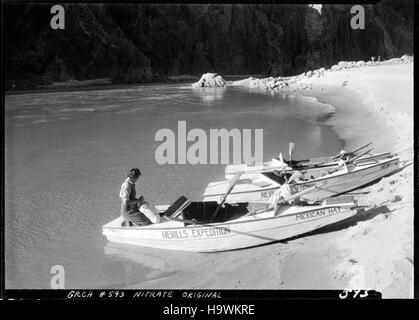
(265, 298)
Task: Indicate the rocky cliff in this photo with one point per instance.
(144, 43)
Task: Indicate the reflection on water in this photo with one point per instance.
(157, 259)
(210, 95)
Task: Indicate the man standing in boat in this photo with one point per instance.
(135, 211)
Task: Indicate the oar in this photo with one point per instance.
(358, 156)
(348, 161)
(360, 148)
(230, 188)
(284, 165)
(290, 151)
(281, 159)
(294, 176)
(351, 152)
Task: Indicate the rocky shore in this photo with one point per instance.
(291, 83)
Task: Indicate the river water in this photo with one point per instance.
(67, 154)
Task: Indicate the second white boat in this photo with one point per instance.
(326, 183)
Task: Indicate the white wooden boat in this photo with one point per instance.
(187, 227)
(328, 182)
(314, 165)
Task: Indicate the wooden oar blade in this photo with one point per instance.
(235, 179)
(229, 189)
(358, 156)
(290, 150)
(344, 154)
(360, 148)
(294, 176)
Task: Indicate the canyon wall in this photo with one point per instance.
(148, 42)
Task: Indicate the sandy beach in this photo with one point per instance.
(373, 103)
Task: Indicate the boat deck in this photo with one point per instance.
(239, 213)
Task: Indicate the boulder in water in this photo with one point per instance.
(210, 80)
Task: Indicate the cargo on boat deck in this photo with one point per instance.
(203, 211)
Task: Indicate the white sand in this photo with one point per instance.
(373, 104)
(375, 251)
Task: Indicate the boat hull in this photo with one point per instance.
(353, 180)
(315, 166)
(328, 186)
(247, 231)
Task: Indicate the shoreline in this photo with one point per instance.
(377, 250)
(105, 84)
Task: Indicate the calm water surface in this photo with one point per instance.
(67, 155)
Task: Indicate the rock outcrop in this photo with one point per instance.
(210, 80)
